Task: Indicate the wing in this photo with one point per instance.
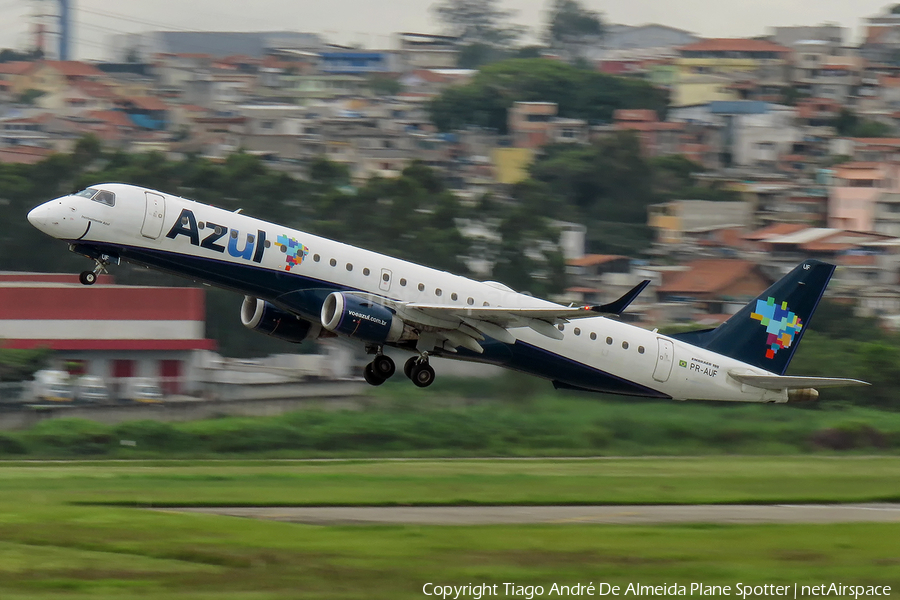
(455, 326)
(781, 382)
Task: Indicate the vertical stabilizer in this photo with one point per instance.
(766, 332)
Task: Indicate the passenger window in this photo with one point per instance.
(625, 345)
(470, 301)
(331, 262)
(453, 296)
(421, 287)
(349, 267)
(438, 292)
(402, 282)
(104, 197)
(593, 336)
(577, 331)
(366, 271)
(609, 341)
(640, 349)
(316, 257)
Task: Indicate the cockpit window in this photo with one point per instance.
(104, 197)
(88, 193)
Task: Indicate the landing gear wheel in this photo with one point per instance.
(422, 375)
(383, 366)
(371, 376)
(408, 366)
(87, 278)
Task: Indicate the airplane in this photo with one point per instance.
(299, 286)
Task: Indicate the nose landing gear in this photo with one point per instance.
(90, 277)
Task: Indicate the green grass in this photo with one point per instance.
(402, 421)
(53, 545)
(435, 482)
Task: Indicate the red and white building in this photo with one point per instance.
(112, 331)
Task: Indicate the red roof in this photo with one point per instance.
(15, 68)
(28, 277)
(113, 117)
(26, 155)
(775, 229)
(590, 260)
(100, 302)
(734, 45)
(95, 89)
(877, 142)
(651, 126)
(157, 345)
(147, 103)
(707, 276)
(74, 68)
(635, 114)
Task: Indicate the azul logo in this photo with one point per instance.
(294, 250)
(781, 324)
(253, 246)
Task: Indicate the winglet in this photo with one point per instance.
(619, 306)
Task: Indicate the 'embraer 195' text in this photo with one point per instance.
(186, 225)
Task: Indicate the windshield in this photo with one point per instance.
(97, 195)
(104, 197)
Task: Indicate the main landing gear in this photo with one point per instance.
(419, 371)
(90, 277)
(382, 368)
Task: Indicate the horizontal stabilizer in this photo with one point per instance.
(781, 382)
(617, 307)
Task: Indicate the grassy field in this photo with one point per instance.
(403, 421)
(54, 543)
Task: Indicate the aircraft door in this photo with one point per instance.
(385, 283)
(664, 359)
(154, 215)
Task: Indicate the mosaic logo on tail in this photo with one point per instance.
(294, 251)
(780, 322)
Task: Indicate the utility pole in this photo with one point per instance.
(65, 30)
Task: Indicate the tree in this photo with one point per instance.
(473, 56)
(20, 365)
(579, 92)
(477, 21)
(850, 124)
(384, 86)
(571, 27)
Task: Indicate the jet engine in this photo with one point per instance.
(360, 318)
(265, 317)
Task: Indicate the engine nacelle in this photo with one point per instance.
(265, 317)
(360, 318)
(804, 395)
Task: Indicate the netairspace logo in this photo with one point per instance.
(477, 591)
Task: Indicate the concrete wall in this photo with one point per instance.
(327, 396)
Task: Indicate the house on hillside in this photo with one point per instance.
(713, 288)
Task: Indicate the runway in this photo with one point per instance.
(611, 515)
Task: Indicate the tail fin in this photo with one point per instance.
(766, 332)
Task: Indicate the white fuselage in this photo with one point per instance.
(251, 256)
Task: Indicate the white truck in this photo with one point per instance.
(141, 389)
(51, 386)
(91, 389)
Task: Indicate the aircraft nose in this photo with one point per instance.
(39, 216)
